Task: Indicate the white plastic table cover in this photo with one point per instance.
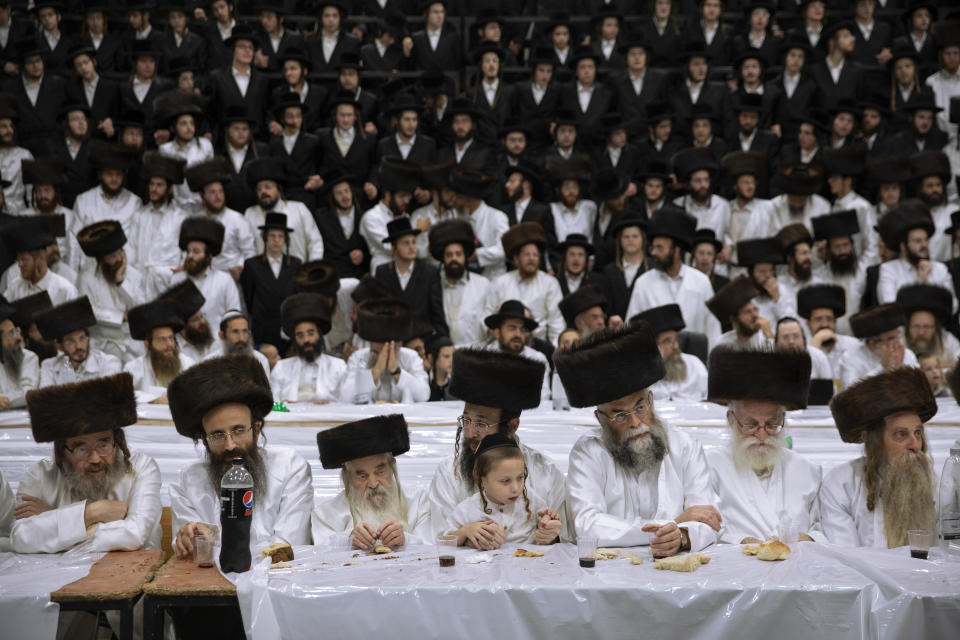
(26, 582)
(820, 591)
(432, 433)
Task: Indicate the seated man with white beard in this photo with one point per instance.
(760, 482)
(928, 308)
(881, 344)
(68, 325)
(113, 287)
(235, 339)
(223, 401)
(638, 481)
(686, 375)
(157, 325)
(384, 371)
(197, 338)
(495, 389)
(734, 302)
(872, 501)
(93, 495)
(372, 508)
(309, 375)
(19, 368)
(585, 310)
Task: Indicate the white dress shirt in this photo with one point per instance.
(57, 287)
(110, 302)
(373, 228)
(93, 206)
(690, 289)
(238, 240)
(153, 246)
(693, 387)
(715, 215)
(306, 242)
(541, 294)
(412, 385)
(15, 389)
(859, 363)
(289, 375)
(489, 225)
(580, 219)
(59, 370)
(332, 519)
(465, 320)
(895, 274)
(15, 194)
(513, 517)
(195, 152)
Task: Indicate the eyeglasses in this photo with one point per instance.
(83, 451)
(480, 427)
(752, 427)
(621, 418)
(220, 437)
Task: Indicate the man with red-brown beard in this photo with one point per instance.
(157, 324)
(872, 501)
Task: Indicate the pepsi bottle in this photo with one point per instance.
(236, 512)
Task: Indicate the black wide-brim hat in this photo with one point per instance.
(65, 411)
(577, 240)
(242, 32)
(101, 238)
(68, 317)
(510, 309)
(758, 251)
(397, 228)
(397, 175)
(305, 307)
(673, 222)
(709, 236)
(362, 438)
(798, 178)
(609, 365)
(41, 171)
(837, 224)
(157, 165)
(383, 320)
(213, 383)
(496, 379)
(782, 377)
(585, 297)
(266, 169)
(608, 184)
(185, 299)
(275, 220)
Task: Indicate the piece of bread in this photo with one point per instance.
(605, 553)
(382, 548)
(684, 564)
(281, 565)
(750, 549)
(278, 552)
(523, 553)
(634, 558)
(773, 550)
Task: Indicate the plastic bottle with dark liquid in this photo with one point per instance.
(236, 513)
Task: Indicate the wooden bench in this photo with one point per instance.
(115, 583)
(181, 583)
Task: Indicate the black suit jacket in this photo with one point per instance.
(791, 108)
(79, 173)
(851, 77)
(238, 193)
(193, 47)
(424, 150)
(714, 94)
(720, 48)
(337, 246)
(423, 292)
(881, 37)
(594, 278)
(906, 142)
(447, 55)
(618, 293)
(629, 163)
(588, 122)
(289, 38)
(346, 42)
(128, 99)
(111, 55)
(790, 153)
(631, 105)
(38, 124)
(224, 92)
(21, 28)
(264, 294)
(535, 116)
(360, 158)
(662, 50)
(315, 111)
(494, 115)
(55, 60)
(392, 59)
(106, 99)
(302, 162)
(769, 50)
(477, 156)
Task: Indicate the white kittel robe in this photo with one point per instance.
(280, 514)
(286, 375)
(513, 517)
(332, 518)
(448, 490)
(752, 507)
(63, 527)
(843, 508)
(607, 503)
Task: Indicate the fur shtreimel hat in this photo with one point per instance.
(496, 379)
(216, 382)
(317, 276)
(383, 320)
(877, 320)
(926, 297)
(100, 238)
(184, 298)
(609, 365)
(448, 232)
(776, 376)
(821, 296)
(731, 297)
(586, 297)
(520, 235)
(369, 289)
(305, 307)
(368, 437)
(865, 404)
(202, 229)
(69, 410)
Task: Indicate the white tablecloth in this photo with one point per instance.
(821, 591)
(26, 582)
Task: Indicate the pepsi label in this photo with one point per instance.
(236, 503)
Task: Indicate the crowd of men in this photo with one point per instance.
(223, 206)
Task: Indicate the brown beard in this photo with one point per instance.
(906, 495)
(196, 267)
(12, 360)
(198, 337)
(676, 369)
(165, 368)
(253, 460)
(109, 271)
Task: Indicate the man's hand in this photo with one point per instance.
(235, 272)
(725, 254)
(423, 224)
(183, 544)
(177, 269)
(884, 56)
(275, 128)
(615, 322)
(392, 364)
(356, 257)
(348, 350)
(892, 354)
(260, 60)
(371, 129)
(5, 403)
(773, 288)
(702, 513)
(486, 535)
(924, 269)
(802, 537)
(106, 125)
(364, 536)
(381, 364)
(765, 327)
(313, 183)
(391, 533)
(549, 527)
(30, 506)
(823, 335)
(666, 539)
(160, 400)
(104, 511)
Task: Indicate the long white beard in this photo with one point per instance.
(760, 456)
(375, 506)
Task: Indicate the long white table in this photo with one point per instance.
(821, 591)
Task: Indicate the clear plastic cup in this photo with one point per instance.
(447, 550)
(587, 552)
(920, 542)
(203, 550)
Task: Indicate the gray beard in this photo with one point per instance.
(80, 486)
(906, 494)
(676, 369)
(254, 462)
(375, 506)
(639, 455)
(12, 361)
(238, 349)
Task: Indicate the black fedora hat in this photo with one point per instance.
(608, 184)
(673, 222)
(708, 236)
(399, 227)
(240, 32)
(275, 220)
(510, 309)
(576, 240)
